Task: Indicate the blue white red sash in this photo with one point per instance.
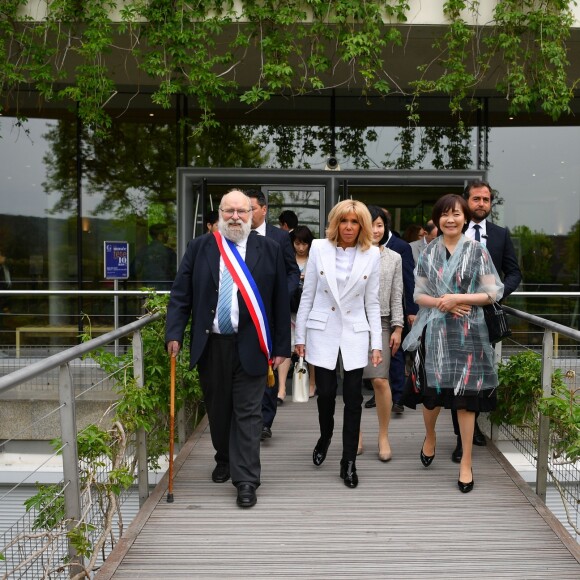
(249, 290)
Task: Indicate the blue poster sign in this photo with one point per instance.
(116, 260)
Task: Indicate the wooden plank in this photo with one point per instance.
(403, 521)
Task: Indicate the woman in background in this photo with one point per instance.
(339, 315)
(301, 238)
(391, 305)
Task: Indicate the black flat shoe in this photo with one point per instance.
(320, 451)
(246, 495)
(426, 460)
(465, 487)
(348, 473)
(457, 454)
(371, 403)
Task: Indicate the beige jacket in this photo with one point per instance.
(391, 286)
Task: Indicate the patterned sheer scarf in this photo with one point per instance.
(457, 350)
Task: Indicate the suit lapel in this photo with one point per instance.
(213, 259)
(328, 262)
(360, 261)
(252, 251)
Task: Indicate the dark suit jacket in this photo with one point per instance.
(195, 293)
(404, 249)
(292, 270)
(501, 248)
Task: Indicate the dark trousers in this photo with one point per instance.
(233, 400)
(270, 402)
(327, 385)
(397, 375)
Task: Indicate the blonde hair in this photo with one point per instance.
(339, 211)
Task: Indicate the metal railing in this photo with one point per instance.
(537, 444)
(30, 549)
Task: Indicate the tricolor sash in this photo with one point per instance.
(251, 295)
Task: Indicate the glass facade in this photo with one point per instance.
(66, 192)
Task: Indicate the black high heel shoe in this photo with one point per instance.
(348, 473)
(426, 460)
(320, 451)
(465, 487)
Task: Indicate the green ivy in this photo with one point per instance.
(196, 49)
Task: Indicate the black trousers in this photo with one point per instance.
(270, 402)
(233, 401)
(327, 385)
(397, 375)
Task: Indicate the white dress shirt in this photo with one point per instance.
(470, 232)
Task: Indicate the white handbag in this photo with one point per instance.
(300, 382)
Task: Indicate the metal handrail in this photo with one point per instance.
(33, 370)
(544, 323)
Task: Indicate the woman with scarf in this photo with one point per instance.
(454, 278)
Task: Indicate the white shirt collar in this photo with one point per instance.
(470, 232)
(261, 230)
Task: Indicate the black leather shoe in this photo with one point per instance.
(266, 433)
(457, 454)
(478, 437)
(348, 473)
(465, 487)
(320, 451)
(398, 409)
(426, 460)
(221, 473)
(371, 403)
(246, 495)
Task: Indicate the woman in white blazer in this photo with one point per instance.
(339, 316)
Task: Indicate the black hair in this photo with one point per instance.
(212, 217)
(258, 196)
(302, 234)
(378, 212)
(448, 202)
(289, 218)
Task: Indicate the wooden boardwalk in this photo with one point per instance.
(403, 521)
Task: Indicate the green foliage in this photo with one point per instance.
(48, 503)
(201, 50)
(519, 390)
(521, 399)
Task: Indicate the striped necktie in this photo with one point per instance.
(224, 307)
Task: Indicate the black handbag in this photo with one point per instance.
(416, 382)
(496, 321)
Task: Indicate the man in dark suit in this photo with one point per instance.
(479, 196)
(224, 341)
(260, 226)
(410, 309)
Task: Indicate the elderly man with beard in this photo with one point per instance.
(225, 343)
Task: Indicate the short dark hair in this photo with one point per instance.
(212, 216)
(448, 202)
(477, 183)
(429, 226)
(302, 234)
(289, 218)
(258, 196)
(379, 212)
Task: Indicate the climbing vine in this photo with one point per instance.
(79, 51)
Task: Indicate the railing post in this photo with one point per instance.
(142, 468)
(70, 458)
(544, 422)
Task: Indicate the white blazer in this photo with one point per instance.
(328, 321)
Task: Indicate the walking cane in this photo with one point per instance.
(171, 428)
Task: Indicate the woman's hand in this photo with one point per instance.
(299, 349)
(376, 357)
(452, 303)
(395, 341)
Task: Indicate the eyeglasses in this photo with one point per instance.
(230, 212)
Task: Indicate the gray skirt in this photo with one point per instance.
(381, 371)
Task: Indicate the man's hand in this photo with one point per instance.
(173, 348)
(395, 341)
